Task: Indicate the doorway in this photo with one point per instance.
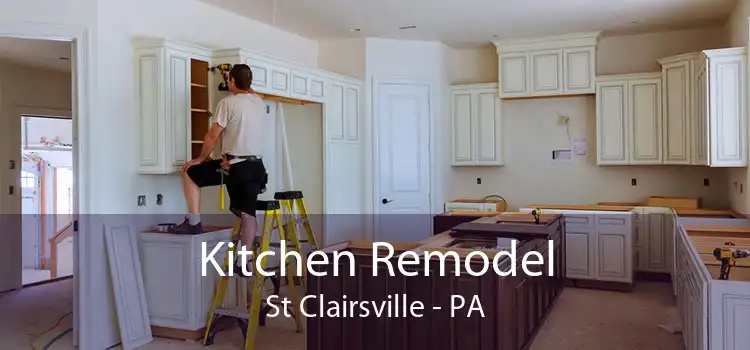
(46, 198)
(403, 165)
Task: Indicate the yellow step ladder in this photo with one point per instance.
(273, 220)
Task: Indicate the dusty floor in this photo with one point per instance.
(581, 319)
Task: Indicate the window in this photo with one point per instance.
(28, 180)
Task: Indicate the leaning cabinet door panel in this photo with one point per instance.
(579, 70)
(645, 121)
(727, 108)
(514, 74)
(461, 127)
(546, 72)
(677, 113)
(612, 122)
(487, 143)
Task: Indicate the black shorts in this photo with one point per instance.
(246, 180)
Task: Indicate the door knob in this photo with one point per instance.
(386, 201)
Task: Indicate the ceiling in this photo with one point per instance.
(471, 23)
(36, 53)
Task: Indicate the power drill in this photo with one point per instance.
(224, 68)
(537, 213)
(728, 257)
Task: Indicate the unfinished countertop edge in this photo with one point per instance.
(582, 207)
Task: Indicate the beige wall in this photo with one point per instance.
(737, 32)
(532, 132)
(27, 87)
(304, 128)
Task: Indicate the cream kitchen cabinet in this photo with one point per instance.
(705, 107)
(654, 239)
(629, 119)
(547, 66)
(476, 125)
(599, 244)
(178, 293)
(163, 102)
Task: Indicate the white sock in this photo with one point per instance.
(194, 219)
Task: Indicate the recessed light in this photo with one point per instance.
(408, 27)
(354, 30)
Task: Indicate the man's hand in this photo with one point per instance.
(192, 162)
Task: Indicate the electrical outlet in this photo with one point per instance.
(159, 199)
(479, 181)
(142, 200)
(563, 119)
(633, 182)
(706, 182)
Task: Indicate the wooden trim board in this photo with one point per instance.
(127, 280)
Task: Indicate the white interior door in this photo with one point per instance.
(402, 113)
(30, 196)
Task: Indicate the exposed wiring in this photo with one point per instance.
(59, 320)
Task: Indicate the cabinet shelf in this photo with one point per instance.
(199, 85)
(199, 110)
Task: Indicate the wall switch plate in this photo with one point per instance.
(633, 182)
(142, 200)
(159, 199)
(479, 181)
(11, 164)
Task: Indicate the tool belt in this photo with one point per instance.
(230, 157)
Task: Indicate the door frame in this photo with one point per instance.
(82, 60)
(375, 143)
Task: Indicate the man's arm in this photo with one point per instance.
(210, 140)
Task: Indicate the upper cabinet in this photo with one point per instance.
(547, 66)
(705, 108)
(171, 103)
(176, 91)
(629, 119)
(476, 125)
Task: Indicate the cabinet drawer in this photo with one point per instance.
(579, 220)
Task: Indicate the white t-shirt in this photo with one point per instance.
(241, 116)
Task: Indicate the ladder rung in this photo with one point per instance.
(232, 313)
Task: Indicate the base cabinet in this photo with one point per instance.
(599, 245)
(177, 293)
(654, 242)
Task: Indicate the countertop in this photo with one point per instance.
(599, 207)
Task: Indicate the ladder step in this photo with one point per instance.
(232, 313)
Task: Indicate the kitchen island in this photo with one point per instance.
(497, 311)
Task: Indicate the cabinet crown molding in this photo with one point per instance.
(679, 58)
(474, 86)
(218, 55)
(630, 76)
(548, 42)
(158, 43)
(732, 51)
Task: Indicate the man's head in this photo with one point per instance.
(240, 78)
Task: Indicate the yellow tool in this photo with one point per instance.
(224, 68)
(537, 213)
(728, 257)
(288, 233)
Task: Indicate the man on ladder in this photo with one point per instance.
(238, 125)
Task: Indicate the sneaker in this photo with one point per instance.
(186, 229)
